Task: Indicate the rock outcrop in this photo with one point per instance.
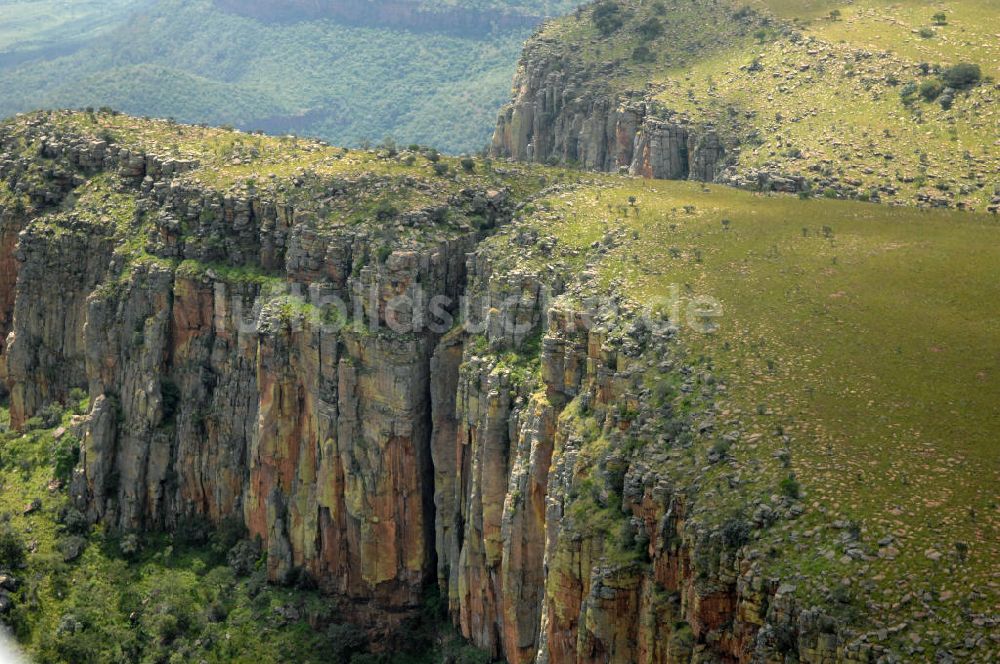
(562, 113)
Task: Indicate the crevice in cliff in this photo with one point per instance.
(427, 481)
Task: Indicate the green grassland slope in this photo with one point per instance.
(848, 100)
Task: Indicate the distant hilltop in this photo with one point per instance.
(415, 16)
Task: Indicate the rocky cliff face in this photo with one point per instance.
(534, 460)
(224, 397)
(562, 113)
(567, 530)
(10, 226)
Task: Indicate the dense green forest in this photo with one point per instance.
(196, 63)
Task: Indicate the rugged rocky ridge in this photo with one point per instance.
(537, 460)
(559, 115)
(205, 407)
(571, 107)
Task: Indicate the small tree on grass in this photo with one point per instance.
(931, 90)
(962, 76)
(12, 550)
(643, 54)
(940, 19)
(790, 487)
(651, 28)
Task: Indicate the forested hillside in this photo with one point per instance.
(198, 61)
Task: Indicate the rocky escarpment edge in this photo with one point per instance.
(544, 468)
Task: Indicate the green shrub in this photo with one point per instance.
(192, 530)
(472, 655)
(226, 535)
(735, 532)
(926, 33)
(242, 557)
(130, 545)
(931, 90)
(962, 76)
(12, 551)
(651, 28)
(79, 401)
(65, 455)
(48, 417)
(643, 54)
(468, 165)
(385, 210)
(721, 448)
(940, 18)
(171, 395)
(790, 487)
(607, 17)
(73, 521)
(344, 641)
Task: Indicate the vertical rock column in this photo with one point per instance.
(45, 356)
(10, 225)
